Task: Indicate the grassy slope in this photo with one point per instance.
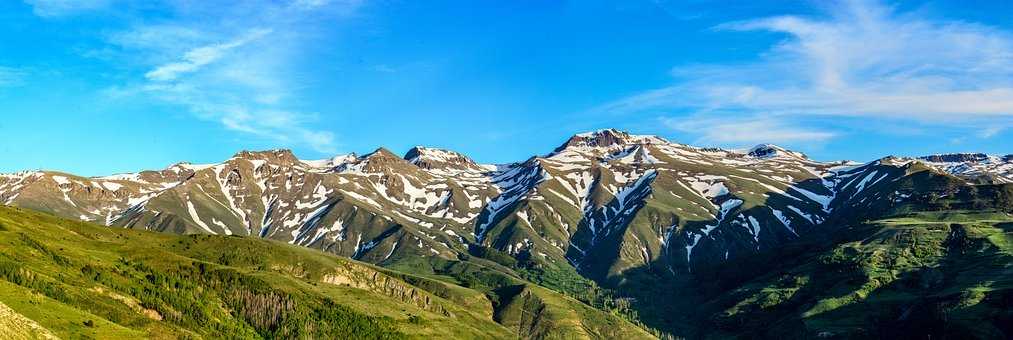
(13, 325)
(941, 274)
(553, 310)
(80, 280)
(896, 274)
(63, 274)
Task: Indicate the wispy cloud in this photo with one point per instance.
(57, 8)
(342, 6)
(240, 74)
(990, 132)
(863, 59)
(10, 76)
(746, 131)
(198, 57)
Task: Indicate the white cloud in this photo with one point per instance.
(198, 57)
(990, 132)
(343, 7)
(167, 39)
(863, 59)
(240, 74)
(57, 8)
(746, 131)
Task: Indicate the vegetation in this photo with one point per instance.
(79, 280)
(488, 271)
(936, 263)
(942, 274)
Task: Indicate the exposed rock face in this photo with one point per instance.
(439, 159)
(957, 157)
(606, 139)
(975, 166)
(605, 202)
(357, 277)
(764, 150)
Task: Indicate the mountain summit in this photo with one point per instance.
(623, 211)
(606, 139)
(440, 159)
(771, 150)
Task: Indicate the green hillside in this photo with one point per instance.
(78, 280)
(611, 236)
(944, 275)
(936, 266)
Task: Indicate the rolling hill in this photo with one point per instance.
(73, 279)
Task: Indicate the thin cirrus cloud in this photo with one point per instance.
(10, 76)
(239, 76)
(198, 57)
(746, 130)
(57, 8)
(238, 83)
(864, 59)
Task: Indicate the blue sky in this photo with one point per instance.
(104, 86)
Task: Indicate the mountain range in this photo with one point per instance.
(679, 240)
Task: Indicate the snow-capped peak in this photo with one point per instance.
(960, 158)
(278, 154)
(773, 151)
(607, 139)
(184, 167)
(380, 153)
(380, 160)
(441, 159)
(974, 165)
(421, 153)
(330, 163)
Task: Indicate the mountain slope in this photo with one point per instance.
(918, 254)
(928, 269)
(976, 166)
(626, 223)
(603, 202)
(81, 280)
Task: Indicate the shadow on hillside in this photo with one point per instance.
(667, 295)
(964, 293)
(677, 293)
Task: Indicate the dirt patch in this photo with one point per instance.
(130, 302)
(16, 326)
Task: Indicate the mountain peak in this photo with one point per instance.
(607, 138)
(766, 151)
(284, 156)
(379, 160)
(439, 159)
(333, 162)
(957, 158)
(187, 166)
(773, 151)
(976, 165)
(603, 132)
(381, 152)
